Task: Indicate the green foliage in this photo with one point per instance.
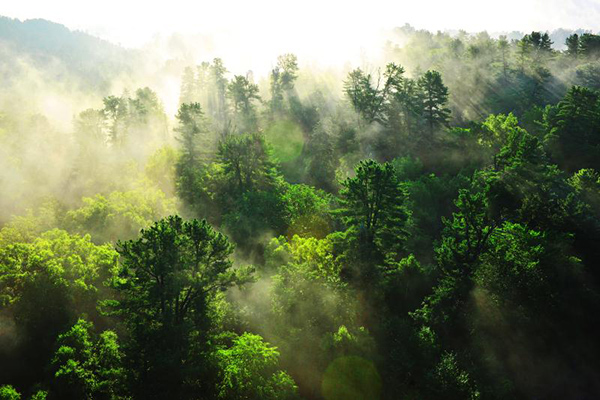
(173, 266)
(464, 267)
(466, 234)
(435, 98)
(120, 215)
(572, 43)
(256, 213)
(451, 382)
(60, 262)
(407, 168)
(132, 118)
(249, 371)
(197, 185)
(26, 228)
(308, 211)
(309, 303)
(587, 75)
(305, 294)
(345, 342)
(315, 255)
(161, 168)
(370, 98)
(243, 93)
(88, 368)
(404, 286)
(287, 139)
(282, 79)
(571, 130)
(590, 44)
(7, 392)
(190, 129)
(247, 164)
(251, 189)
(44, 284)
(322, 163)
(372, 206)
(522, 267)
(167, 277)
(206, 85)
(190, 168)
(586, 183)
(430, 199)
(40, 395)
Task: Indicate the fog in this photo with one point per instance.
(430, 278)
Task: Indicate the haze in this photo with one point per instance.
(328, 31)
(305, 200)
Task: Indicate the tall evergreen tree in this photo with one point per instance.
(373, 207)
(435, 98)
(243, 93)
(573, 46)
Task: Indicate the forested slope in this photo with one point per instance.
(69, 56)
(428, 232)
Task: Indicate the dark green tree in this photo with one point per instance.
(373, 207)
(191, 126)
(538, 45)
(197, 148)
(167, 278)
(573, 45)
(572, 128)
(369, 98)
(251, 188)
(590, 45)
(247, 163)
(435, 98)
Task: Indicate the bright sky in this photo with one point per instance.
(325, 29)
(132, 21)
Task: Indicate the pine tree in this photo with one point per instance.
(435, 98)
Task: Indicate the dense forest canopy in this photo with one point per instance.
(420, 226)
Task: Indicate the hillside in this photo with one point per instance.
(60, 54)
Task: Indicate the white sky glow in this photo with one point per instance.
(322, 27)
(132, 22)
(327, 31)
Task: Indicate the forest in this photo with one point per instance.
(418, 227)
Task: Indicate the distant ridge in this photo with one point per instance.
(79, 55)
